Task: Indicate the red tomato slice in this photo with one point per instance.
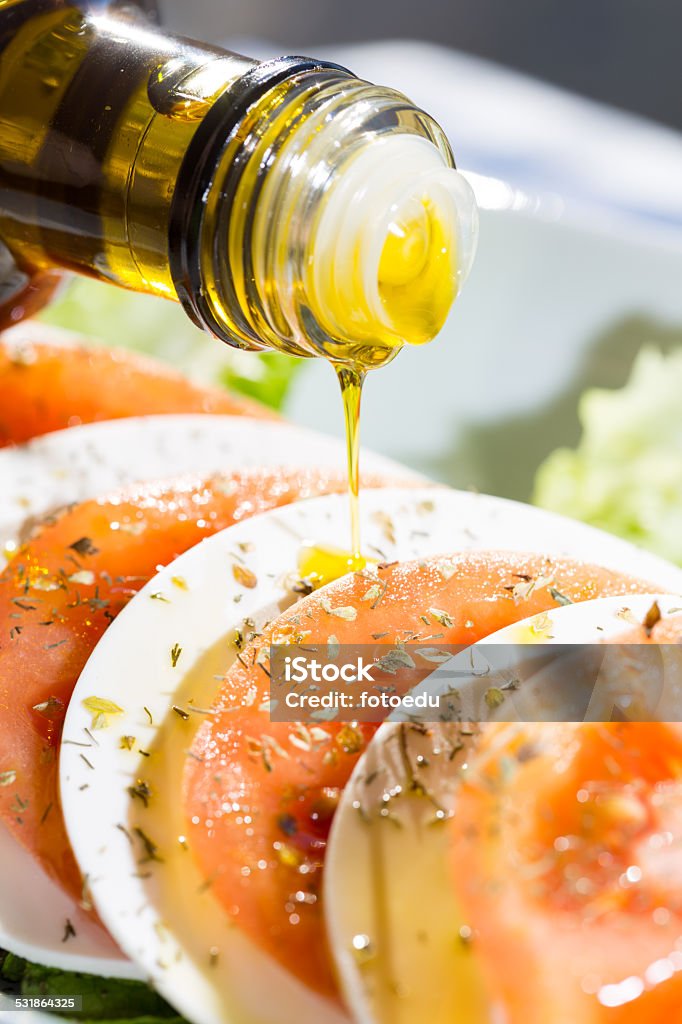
(260, 796)
(45, 387)
(58, 595)
(566, 856)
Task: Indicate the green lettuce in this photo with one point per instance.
(625, 476)
(156, 327)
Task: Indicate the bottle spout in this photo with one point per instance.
(394, 242)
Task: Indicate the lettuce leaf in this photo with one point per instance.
(156, 327)
(625, 476)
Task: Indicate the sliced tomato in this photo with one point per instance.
(45, 387)
(260, 796)
(567, 859)
(58, 595)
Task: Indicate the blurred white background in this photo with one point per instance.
(623, 52)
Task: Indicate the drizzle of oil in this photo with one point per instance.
(324, 563)
(351, 378)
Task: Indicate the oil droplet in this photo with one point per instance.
(10, 549)
(362, 945)
(320, 563)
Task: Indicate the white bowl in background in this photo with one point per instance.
(558, 300)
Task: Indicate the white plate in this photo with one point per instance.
(132, 665)
(84, 462)
(33, 915)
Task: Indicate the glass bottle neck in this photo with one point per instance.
(332, 223)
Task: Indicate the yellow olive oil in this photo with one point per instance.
(323, 563)
(351, 379)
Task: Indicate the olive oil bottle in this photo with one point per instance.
(286, 204)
